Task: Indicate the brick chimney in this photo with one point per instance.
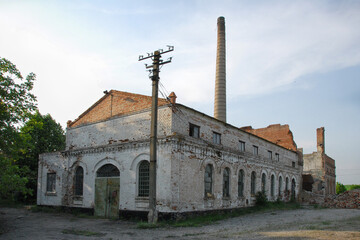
(172, 97)
(320, 135)
(220, 82)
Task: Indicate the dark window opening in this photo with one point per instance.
(143, 186)
(79, 181)
(108, 170)
(194, 131)
(51, 182)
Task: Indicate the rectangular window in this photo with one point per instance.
(270, 155)
(277, 157)
(255, 150)
(194, 131)
(216, 138)
(293, 164)
(51, 182)
(242, 146)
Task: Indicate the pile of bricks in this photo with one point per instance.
(348, 199)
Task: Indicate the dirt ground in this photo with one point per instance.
(298, 224)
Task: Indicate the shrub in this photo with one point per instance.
(261, 199)
(340, 188)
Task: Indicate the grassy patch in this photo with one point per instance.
(82, 232)
(212, 218)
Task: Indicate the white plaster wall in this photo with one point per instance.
(118, 130)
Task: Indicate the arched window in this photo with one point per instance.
(293, 185)
(79, 181)
(280, 185)
(226, 183)
(287, 184)
(272, 190)
(263, 183)
(108, 170)
(143, 179)
(208, 179)
(253, 183)
(241, 183)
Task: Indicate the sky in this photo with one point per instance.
(288, 62)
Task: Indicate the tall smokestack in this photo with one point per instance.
(320, 137)
(220, 82)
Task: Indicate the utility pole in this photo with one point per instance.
(156, 57)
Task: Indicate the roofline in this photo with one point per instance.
(229, 125)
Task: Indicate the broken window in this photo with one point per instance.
(51, 182)
(272, 190)
(226, 183)
(241, 183)
(79, 181)
(263, 183)
(255, 150)
(208, 180)
(287, 184)
(194, 131)
(242, 146)
(280, 185)
(270, 155)
(143, 186)
(108, 170)
(216, 138)
(253, 183)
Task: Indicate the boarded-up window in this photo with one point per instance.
(241, 183)
(79, 181)
(208, 179)
(51, 182)
(226, 183)
(143, 186)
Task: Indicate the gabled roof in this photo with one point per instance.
(115, 103)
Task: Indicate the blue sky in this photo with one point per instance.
(288, 62)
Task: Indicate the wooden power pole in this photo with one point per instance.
(156, 57)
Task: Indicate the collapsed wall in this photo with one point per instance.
(348, 199)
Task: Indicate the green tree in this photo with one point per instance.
(40, 134)
(340, 188)
(16, 102)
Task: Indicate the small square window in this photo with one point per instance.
(51, 182)
(242, 146)
(255, 150)
(277, 156)
(194, 131)
(216, 138)
(270, 155)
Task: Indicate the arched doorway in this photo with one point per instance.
(107, 186)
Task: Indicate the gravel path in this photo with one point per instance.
(292, 224)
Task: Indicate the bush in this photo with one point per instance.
(261, 199)
(340, 188)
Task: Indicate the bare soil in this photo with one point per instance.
(20, 223)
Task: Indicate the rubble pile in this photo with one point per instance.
(348, 199)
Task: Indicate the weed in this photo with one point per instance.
(326, 222)
(82, 232)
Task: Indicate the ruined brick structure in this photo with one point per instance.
(203, 163)
(320, 167)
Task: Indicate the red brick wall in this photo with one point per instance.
(115, 103)
(279, 134)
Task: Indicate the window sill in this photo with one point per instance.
(226, 198)
(50, 194)
(141, 198)
(209, 196)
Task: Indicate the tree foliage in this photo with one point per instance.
(16, 102)
(40, 134)
(340, 188)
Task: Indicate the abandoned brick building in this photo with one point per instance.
(319, 169)
(203, 163)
